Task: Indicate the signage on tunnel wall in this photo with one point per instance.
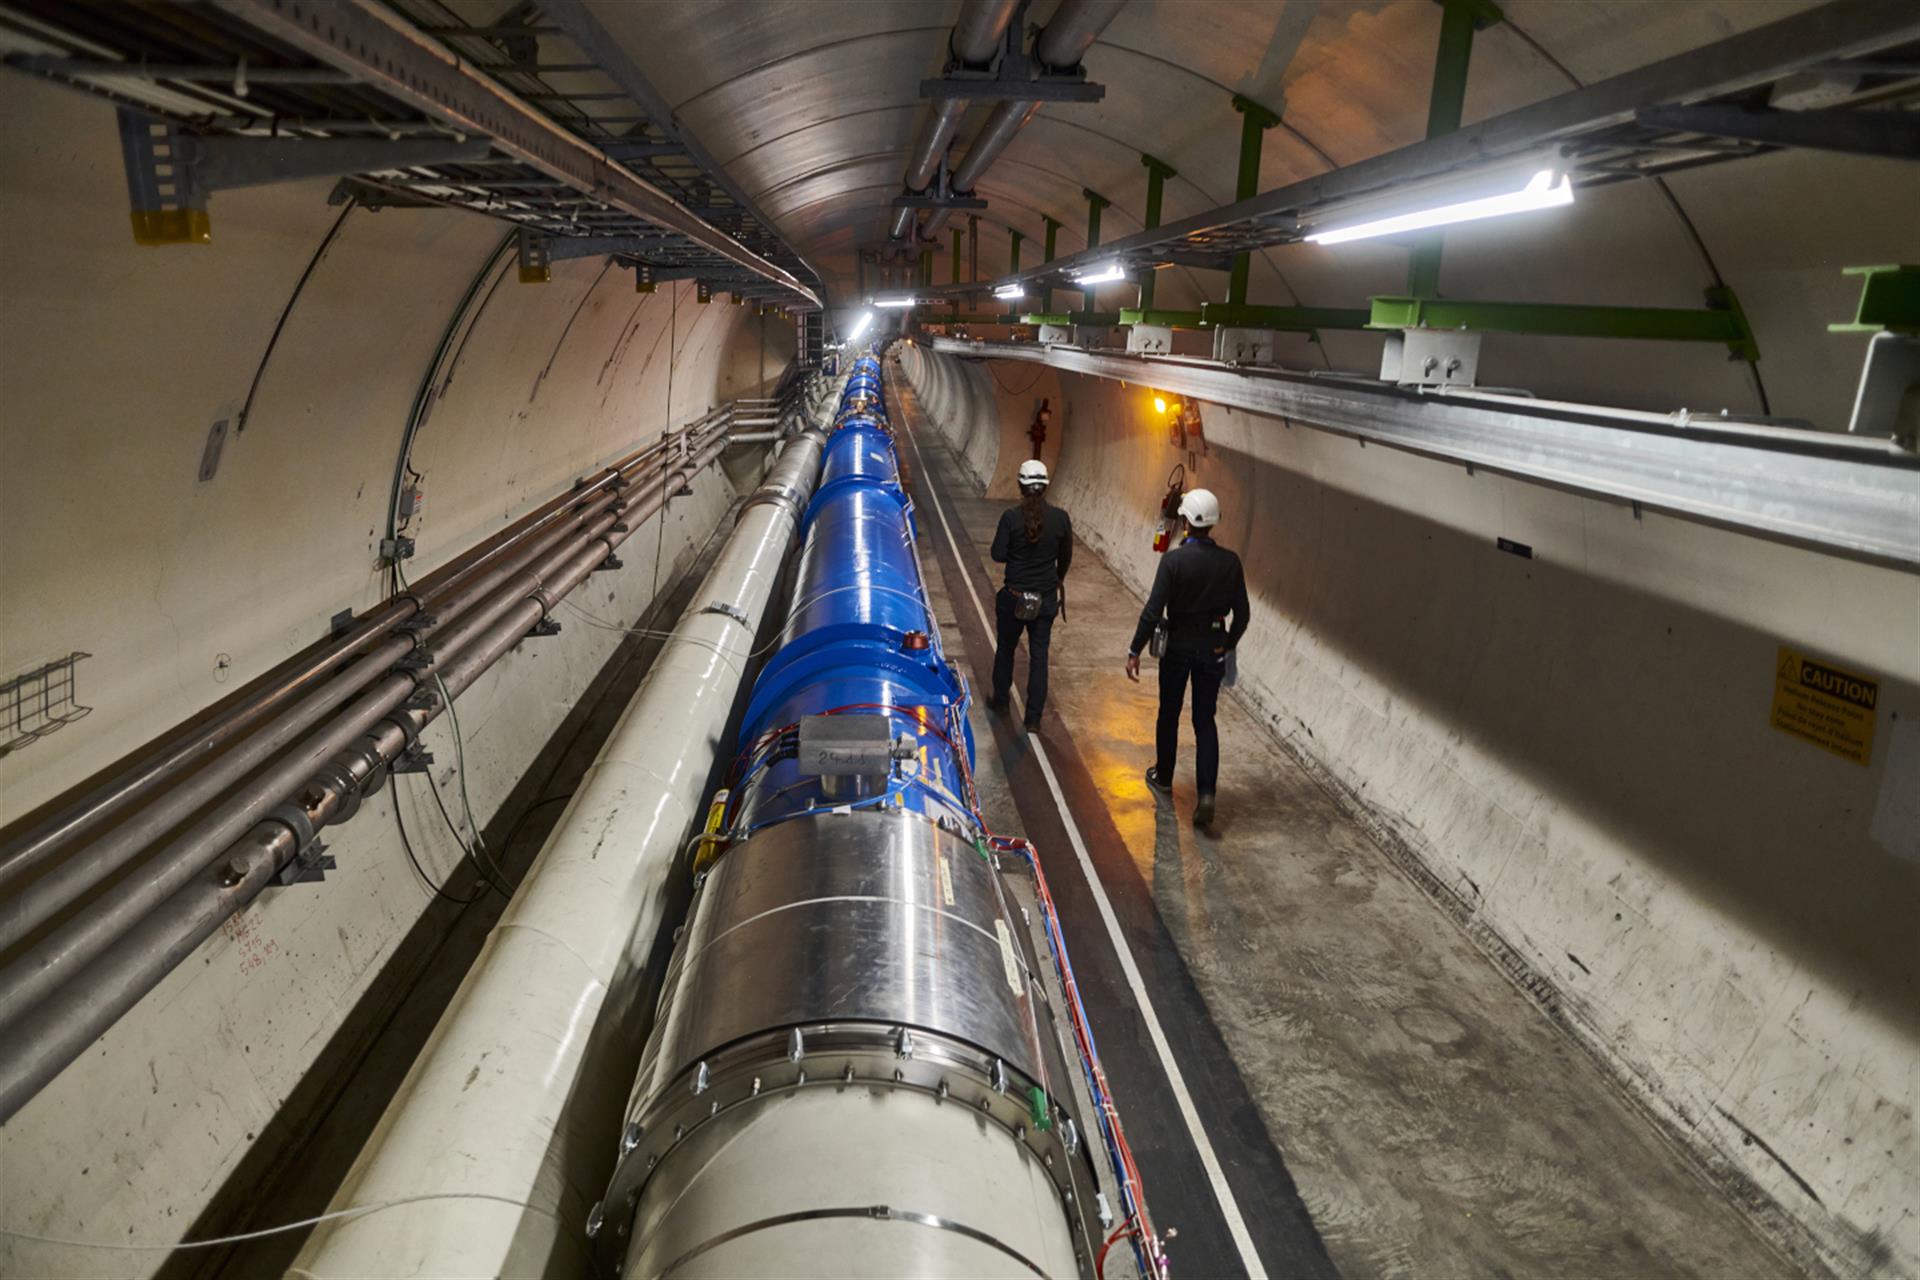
(1829, 706)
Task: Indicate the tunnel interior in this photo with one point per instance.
(504, 523)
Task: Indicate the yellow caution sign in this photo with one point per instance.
(1826, 705)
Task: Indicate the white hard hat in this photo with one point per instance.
(1201, 508)
(1033, 473)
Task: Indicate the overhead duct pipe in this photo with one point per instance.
(531, 1127)
(976, 35)
(1076, 25)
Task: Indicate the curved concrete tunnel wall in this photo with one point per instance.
(1574, 752)
(117, 360)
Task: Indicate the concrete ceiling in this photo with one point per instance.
(812, 105)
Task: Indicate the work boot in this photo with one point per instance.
(1158, 784)
(1203, 809)
(1033, 724)
(998, 702)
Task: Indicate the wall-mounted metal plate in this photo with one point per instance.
(210, 453)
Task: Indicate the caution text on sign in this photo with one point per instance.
(1826, 705)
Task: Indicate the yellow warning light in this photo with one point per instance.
(1159, 404)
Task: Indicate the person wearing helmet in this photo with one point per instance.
(1201, 591)
(1035, 541)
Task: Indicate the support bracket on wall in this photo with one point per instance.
(42, 701)
(536, 257)
(171, 173)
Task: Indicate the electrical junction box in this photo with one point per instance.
(1055, 334)
(1096, 337)
(1431, 358)
(1243, 346)
(1150, 339)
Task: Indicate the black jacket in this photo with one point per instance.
(1034, 566)
(1199, 582)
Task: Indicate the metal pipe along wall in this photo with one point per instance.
(78, 978)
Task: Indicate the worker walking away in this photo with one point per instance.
(1035, 542)
(1201, 591)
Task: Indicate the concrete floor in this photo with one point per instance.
(1434, 1120)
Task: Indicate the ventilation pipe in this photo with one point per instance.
(1076, 25)
(975, 36)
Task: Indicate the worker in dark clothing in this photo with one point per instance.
(1200, 586)
(1035, 542)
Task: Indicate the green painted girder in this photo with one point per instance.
(1889, 299)
(972, 317)
(1293, 319)
(1168, 319)
(1721, 321)
(1071, 317)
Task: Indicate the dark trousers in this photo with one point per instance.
(1039, 633)
(1205, 671)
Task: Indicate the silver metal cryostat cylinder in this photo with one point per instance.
(855, 1072)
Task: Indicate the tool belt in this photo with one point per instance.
(1210, 636)
(1028, 605)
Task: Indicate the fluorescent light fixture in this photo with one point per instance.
(908, 301)
(1537, 185)
(866, 322)
(1014, 290)
(1102, 275)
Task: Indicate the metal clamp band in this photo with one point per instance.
(876, 1212)
(786, 494)
(733, 611)
(294, 819)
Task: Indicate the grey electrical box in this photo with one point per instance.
(845, 746)
(1431, 358)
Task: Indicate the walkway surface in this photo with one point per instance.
(1318, 1070)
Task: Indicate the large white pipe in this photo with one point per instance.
(513, 1099)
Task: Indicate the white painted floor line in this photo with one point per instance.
(1229, 1207)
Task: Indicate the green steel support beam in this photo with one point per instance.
(1459, 19)
(926, 268)
(959, 238)
(976, 317)
(1071, 317)
(1014, 239)
(1254, 123)
(1292, 319)
(1169, 319)
(1053, 233)
(1721, 321)
(1158, 171)
(1889, 299)
(1096, 204)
